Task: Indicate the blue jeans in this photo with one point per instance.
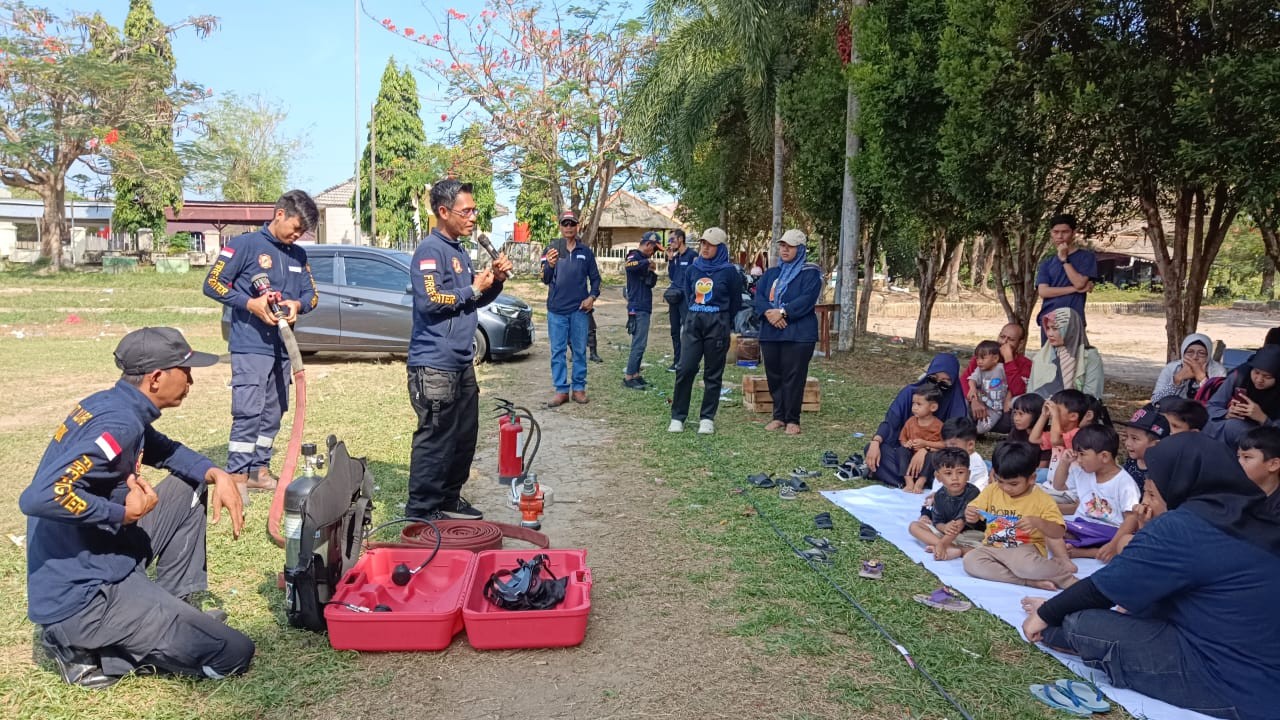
(568, 331)
(639, 340)
(1143, 654)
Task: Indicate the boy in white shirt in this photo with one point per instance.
(961, 432)
(1107, 494)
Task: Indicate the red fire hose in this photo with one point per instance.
(295, 435)
(473, 535)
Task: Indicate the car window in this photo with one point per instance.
(375, 275)
(321, 268)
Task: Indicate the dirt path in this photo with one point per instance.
(652, 643)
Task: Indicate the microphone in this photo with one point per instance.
(262, 286)
(483, 241)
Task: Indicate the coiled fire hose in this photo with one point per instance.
(473, 535)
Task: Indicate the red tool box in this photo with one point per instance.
(491, 628)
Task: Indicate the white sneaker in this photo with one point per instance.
(675, 426)
(706, 427)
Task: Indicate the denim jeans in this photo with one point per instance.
(1142, 654)
(639, 340)
(568, 331)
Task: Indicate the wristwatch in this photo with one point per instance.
(783, 311)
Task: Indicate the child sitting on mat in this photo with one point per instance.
(1147, 427)
(1021, 520)
(1259, 453)
(941, 525)
(1183, 415)
(962, 433)
(1061, 417)
(921, 433)
(1108, 495)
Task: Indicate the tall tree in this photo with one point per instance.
(545, 80)
(67, 86)
(469, 161)
(397, 151)
(141, 197)
(245, 154)
(533, 202)
(1183, 126)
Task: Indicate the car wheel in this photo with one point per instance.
(481, 346)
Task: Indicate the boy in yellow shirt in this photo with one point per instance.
(1021, 519)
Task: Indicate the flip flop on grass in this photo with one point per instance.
(1084, 694)
(944, 598)
(1050, 695)
(872, 569)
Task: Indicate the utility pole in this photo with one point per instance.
(373, 176)
(356, 106)
(850, 220)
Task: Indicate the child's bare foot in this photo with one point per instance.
(1066, 564)
(949, 553)
(1032, 604)
(1042, 584)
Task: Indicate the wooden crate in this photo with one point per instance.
(756, 397)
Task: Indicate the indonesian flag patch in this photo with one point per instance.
(227, 252)
(108, 446)
(426, 265)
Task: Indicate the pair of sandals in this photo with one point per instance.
(789, 486)
(1078, 698)
(853, 468)
(819, 551)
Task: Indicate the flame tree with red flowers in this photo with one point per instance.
(68, 85)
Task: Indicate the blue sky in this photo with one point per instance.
(301, 56)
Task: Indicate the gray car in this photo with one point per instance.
(366, 305)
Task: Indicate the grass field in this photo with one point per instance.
(771, 599)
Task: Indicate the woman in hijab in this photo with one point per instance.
(789, 329)
(886, 458)
(1198, 586)
(1067, 360)
(1249, 397)
(713, 295)
(1184, 376)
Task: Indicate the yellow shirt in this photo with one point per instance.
(1001, 530)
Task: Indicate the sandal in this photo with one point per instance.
(786, 493)
(821, 543)
(814, 555)
(868, 533)
(1052, 696)
(797, 484)
(1085, 695)
(761, 480)
(822, 521)
(830, 459)
(802, 472)
(944, 598)
(846, 475)
(872, 569)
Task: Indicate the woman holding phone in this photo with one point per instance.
(1249, 397)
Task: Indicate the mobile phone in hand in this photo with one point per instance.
(1239, 395)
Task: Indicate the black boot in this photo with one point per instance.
(592, 355)
(76, 666)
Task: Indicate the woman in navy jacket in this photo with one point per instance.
(785, 298)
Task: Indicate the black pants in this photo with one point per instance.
(894, 461)
(137, 622)
(676, 312)
(705, 340)
(591, 332)
(786, 365)
(444, 443)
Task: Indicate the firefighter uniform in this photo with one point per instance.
(260, 372)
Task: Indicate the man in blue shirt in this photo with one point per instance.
(641, 278)
(94, 524)
(679, 258)
(1065, 278)
(260, 372)
(447, 293)
(570, 271)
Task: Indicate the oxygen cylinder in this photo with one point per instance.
(295, 502)
(510, 448)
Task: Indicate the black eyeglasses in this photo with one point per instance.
(568, 223)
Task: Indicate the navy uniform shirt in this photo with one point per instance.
(444, 307)
(799, 300)
(1052, 273)
(230, 282)
(678, 266)
(638, 291)
(575, 276)
(76, 536)
(719, 291)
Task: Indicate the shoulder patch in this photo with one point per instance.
(227, 251)
(108, 446)
(426, 265)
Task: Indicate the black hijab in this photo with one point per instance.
(1201, 475)
(1266, 359)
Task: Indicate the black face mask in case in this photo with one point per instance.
(525, 588)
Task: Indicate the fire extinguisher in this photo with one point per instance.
(516, 429)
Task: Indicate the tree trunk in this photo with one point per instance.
(984, 264)
(1184, 260)
(870, 242)
(1271, 244)
(1268, 290)
(1017, 256)
(53, 225)
(952, 287)
(931, 262)
(778, 162)
(850, 220)
(977, 280)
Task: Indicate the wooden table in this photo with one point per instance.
(824, 310)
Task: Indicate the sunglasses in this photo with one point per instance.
(568, 223)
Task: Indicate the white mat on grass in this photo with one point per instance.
(891, 511)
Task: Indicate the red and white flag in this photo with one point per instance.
(426, 265)
(227, 252)
(108, 446)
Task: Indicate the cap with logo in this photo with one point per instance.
(650, 237)
(1148, 418)
(793, 237)
(158, 348)
(568, 215)
(714, 236)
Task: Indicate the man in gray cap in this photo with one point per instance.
(641, 278)
(94, 524)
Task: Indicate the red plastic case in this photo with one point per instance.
(489, 627)
(425, 614)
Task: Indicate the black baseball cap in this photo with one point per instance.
(158, 348)
(1148, 418)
